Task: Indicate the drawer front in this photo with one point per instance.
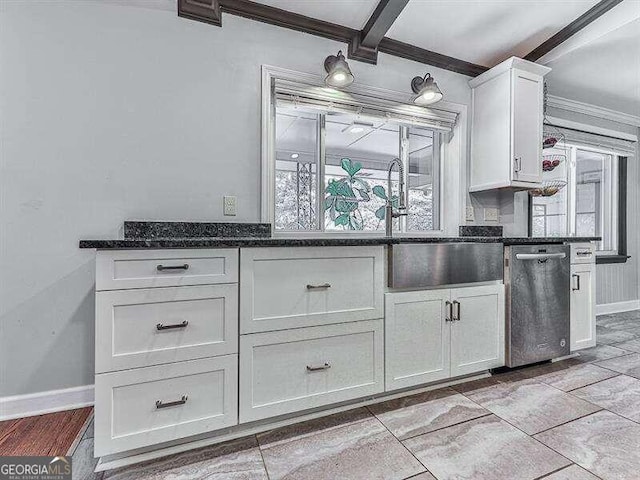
(143, 327)
(294, 370)
(583, 253)
(117, 270)
(145, 406)
(283, 288)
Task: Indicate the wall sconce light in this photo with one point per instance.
(426, 89)
(339, 73)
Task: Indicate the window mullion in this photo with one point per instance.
(321, 151)
(404, 158)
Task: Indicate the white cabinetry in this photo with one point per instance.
(296, 287)
(437, 334)
(293, 370)
(506, 132)
(312, 328)
(166, 346)
(583, 296)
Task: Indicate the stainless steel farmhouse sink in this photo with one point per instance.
(415, 265)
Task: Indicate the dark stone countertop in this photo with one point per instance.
(345, 240)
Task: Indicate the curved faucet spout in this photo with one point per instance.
(390, 214)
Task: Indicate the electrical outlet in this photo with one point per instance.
(491, 214)
(471, 214)
(230, 206)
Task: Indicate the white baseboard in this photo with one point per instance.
(18, 406)
(607, 308)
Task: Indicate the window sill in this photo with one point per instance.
(605, 259)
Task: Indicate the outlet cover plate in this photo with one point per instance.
(471, 214)
(491, 214)
(230, 208)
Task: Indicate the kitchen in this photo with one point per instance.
(240, 214)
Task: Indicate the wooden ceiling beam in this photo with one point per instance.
(574, 27)
(209, 11)
(364, 45)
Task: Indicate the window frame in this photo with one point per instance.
(453, 153)
(618, 202)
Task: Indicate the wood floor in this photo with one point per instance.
(47, 435)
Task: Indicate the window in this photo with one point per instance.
(584, 186)
(331, 170)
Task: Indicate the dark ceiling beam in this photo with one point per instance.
(417, 54)
(574, 27)
(364, 45)
(284, 18)
(207, 11)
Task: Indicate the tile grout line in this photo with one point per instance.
(403, 446)
(264, 464)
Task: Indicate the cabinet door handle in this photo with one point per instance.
(584, 253)
(160, 404)
(456, 318)
(517, 164)
(577, 283)
(449, 314)
(326, 366)
(161, 326)
(324, 286)
(162, 268)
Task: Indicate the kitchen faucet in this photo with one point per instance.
(390, 214)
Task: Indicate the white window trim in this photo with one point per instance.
(452, 174)
(571, 193)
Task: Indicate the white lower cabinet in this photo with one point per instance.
(417, 338)
(437, 334)
(293, 370)
(145, 406)
(477, 333)
(583, 306)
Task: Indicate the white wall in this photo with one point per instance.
(121, 110)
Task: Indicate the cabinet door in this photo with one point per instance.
(583, 317)
(527, 91)
(477, 329)
(416, 338)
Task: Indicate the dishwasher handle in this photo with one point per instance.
(540, 256)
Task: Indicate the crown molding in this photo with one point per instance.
(593, 110)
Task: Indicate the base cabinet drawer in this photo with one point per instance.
(294, 370)
(145, 406)
(124, 269)
(144, 327)
(284, 288)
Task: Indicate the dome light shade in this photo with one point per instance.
(338, 72)
(426, 90)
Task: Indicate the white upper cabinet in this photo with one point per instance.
(506, 132)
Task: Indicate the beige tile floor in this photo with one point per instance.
(578, 419)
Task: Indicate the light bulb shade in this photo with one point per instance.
(426, 90)
(338, 71)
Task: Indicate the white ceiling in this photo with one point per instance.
(604, 72)
(487, 32)
(484, 32)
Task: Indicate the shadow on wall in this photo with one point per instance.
(36, 359)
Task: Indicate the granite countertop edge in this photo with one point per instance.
(235, 242)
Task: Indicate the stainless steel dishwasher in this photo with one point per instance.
(537, 279)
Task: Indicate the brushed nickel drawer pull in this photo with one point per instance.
(326, 366)
(162, 268)
(584, 253)
(449, 314)
(175, 403)
(324, 286)
(160, 326)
